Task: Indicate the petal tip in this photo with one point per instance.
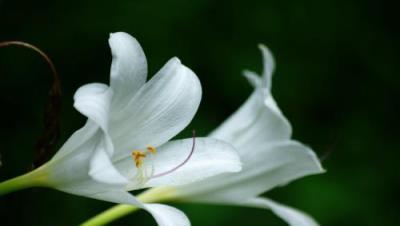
(264, 49)
(252, 77)
(114, 34)
(314, 158)
(261, 46)
(122, 38)
(320, 168)
(176, 60)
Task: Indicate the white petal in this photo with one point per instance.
(77, 173)
(253, 78)
(75, 180)
(101, 167)
(87, 187)
(259, 118)
(210, 157)
(118, 196)
(268, 66)
(77, 139)
(256, 121)
(161, 109)
(167, 215)
(69, 172)
(93, 101)
(264, 167)
(292, 216)
(265, 81)
(128, 68)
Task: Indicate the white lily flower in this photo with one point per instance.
(270, 158)
(125, 145)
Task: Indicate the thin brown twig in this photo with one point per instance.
(52, 109)
(44, 55)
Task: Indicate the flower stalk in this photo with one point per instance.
(34, 178)
(149, 196)
(110, 215)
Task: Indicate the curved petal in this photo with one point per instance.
(128, 68)
(253, 78)
(259, 118)
(118, 196)
(265, 81)
(93, 101)
(290, 215)
(210, 157)
(76, 173)
(101, 168)
(255, 122)
(69, 172)
(161, 109)
(268, 66)
(167, 215)
(77, 139)
(264, 167)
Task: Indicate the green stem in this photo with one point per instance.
(118, 211)
(110, 215)
(31, 179)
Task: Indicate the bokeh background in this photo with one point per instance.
(337, 80)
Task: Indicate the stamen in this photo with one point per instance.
(151, 173)
(182, 163)
(151, 149)
(138, 157)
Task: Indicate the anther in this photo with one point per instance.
(151, 149)
(138, 157)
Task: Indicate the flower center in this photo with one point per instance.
(138, 157)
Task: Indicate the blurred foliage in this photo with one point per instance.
(337, 80)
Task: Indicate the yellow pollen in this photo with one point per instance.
(138, 157)
(151, 149)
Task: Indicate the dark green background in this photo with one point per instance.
(337, 81)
